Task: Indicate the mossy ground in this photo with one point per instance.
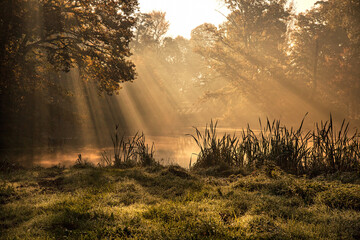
(172, 203)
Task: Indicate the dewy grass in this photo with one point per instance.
(312, 152)
(135, 203)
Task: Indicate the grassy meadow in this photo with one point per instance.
(173, 203)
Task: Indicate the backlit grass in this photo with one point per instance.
(322, 150)
(173, 203)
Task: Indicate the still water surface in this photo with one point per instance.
(170, 149)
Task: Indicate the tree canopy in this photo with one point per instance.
(150, 30)
(271, 54)
(91, 35)
(325, 57)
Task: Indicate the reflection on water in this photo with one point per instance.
(171, 149)
(168, 150)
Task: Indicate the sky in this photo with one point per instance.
(185, 15)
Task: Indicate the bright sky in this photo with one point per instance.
(185, 15)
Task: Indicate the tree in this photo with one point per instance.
(91, 35)
(248, 50)
(42, 39)
(150, 29)
(325, 54)
(262, 52)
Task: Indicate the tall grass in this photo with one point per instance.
(294, 150)
(129, 151)
(145, 154)
(335, 150)
(213, 150)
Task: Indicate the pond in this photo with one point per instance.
(169, 149)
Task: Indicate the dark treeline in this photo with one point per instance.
(265, 59)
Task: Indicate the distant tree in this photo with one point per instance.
(248, 50)
(150, 29)
(264, 49)
(204, 35)
(325, 53)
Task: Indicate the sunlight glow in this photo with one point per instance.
(303, 5)
(185, 15)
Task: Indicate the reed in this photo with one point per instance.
(213, 150)
(82, 162)
(334, 150)
(129, 151)
(145, 154)
(292, 149)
